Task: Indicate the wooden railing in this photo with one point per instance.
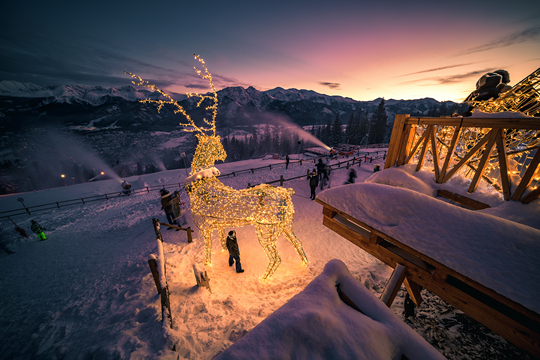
(477, 147)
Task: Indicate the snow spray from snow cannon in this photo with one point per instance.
(215, 206)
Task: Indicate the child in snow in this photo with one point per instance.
(38, 230)
(234, 251)
(126, 188)
(352, 176)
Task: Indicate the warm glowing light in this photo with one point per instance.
(62, 175)
(214, 205)
(102, 173)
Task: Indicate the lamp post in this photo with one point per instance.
(63, 178)
(183, 156)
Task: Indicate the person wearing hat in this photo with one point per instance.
(38, 230)
(313, 183)
(167, 205)
(234, 251)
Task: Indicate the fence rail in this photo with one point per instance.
(28, 210)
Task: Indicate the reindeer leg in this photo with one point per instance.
(223, 238)
(267, 239)
(207, 236)
(289, 234)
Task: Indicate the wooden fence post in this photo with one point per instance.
(165, 297)
(189, 238)
(281, 180)
(153, 268)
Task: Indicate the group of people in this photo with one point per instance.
(321, 175)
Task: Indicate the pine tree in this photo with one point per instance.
(377, 129)
(336, 132)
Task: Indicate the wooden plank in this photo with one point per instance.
(434, 152)
(424, 148)
(483, 161)
(395, 140)
(450, 153)
(393, 285)
(153, 268)
(408, 138)
(530, 197)
(500, 123)
(504, 316)
(462, 200)
(503, 164)
(413, 289)
(466, 158)
(527, 177)
(415, 148)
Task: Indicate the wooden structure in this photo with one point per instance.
(482, 146)
(506, 317)
(161, 281)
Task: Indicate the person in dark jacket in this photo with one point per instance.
(167, 205)
(352, 176)
(287, 162)
(320, 168)
(234, 251)
(38, 230)
(313, 182)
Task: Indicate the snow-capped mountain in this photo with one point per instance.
(76, 106)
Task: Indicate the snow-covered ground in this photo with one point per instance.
(87, 291)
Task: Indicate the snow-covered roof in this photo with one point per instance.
(498, 253)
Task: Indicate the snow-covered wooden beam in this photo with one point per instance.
(504, 316)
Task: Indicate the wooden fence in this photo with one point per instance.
(481, 148)
(28, 210)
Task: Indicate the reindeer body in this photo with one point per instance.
(216, 206)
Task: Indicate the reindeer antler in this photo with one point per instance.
(179, 108)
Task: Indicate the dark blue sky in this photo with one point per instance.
(393, 49)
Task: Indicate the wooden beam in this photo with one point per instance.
(434, 152)
(450, 153)
(527, 177)
(462, 200)
(395, 140)
(530, 197)
(500, 123)
(503, 163)
(415, 148)
(413, 289)
(393, 285)
(483, 161)
(424, 148)
(408, 138)
(466, 158)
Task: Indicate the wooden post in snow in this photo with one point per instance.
(165, 297)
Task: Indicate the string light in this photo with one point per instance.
(214, 205)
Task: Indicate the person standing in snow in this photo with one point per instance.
(234, 251)
(287, 162)
(320, 168)
(313, 182)
(352, 176)
(38, 230)
(179, 210)
(167, 205)
(324, 176)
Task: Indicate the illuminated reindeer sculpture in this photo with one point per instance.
(216, 206)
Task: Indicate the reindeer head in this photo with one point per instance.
(209, 150)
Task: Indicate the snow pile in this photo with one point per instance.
(317, 324)
(206, 173)
(495, 252)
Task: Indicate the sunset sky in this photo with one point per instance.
(357, 49)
